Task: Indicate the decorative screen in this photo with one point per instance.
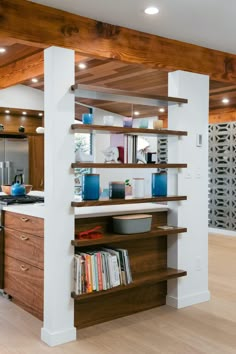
(222, 176)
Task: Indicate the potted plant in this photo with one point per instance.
(128, 187)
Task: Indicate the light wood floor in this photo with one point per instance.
(205, 328)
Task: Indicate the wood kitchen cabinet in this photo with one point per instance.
(1, 258)
(36, 161)
(23, 261)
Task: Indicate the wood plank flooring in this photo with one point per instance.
(207, 328)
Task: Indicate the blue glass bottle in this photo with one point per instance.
(90, 186)
(159, 184)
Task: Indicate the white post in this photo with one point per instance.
(189, 251)
(58, 326)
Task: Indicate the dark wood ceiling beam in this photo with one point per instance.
(46, 26)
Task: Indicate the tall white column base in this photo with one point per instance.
(57, 338)
(185, 301)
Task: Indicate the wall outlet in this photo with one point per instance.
(199, 140)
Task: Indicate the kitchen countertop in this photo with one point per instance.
(38, 209)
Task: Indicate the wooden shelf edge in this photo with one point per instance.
(111, 91)
(127, 201)
(143, 279)
(114, 238)
(127, 165)
(124, 130)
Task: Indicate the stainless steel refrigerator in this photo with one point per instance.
(14, 154)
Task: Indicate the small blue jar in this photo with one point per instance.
(159, 184)
(90, 186)
(87, 118)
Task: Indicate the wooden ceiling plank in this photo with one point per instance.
(115, 79)
(47, 26)
(21, 70)
(220, 95)
(223, 89)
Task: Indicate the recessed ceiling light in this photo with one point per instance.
(225, 100)
(151, 10)
(34, 80)
(136, 113)
(40, 114)
(82, 66)
(2, 50)
(7, 111)
(24, 113)
(162, 110)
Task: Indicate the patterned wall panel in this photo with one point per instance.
(222, 176)
(162, 152)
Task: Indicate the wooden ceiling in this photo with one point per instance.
(117, 75)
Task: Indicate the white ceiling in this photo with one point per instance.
(209, 23)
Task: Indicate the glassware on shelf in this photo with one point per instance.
(117, 190)
(87, 118)
(158, 124)
(143, 123)
(90, 186)
(159, 184)
(128, 122)
(108, 120)
(138, 187)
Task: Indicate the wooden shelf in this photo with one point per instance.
(127, 165)
(13, 134)
(140, 280)
(82, 203)
(89, 128)
(115, 95)
(113, 238)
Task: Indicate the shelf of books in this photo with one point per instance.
(110, 238)
(141, 279)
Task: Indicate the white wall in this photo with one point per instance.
(21, 96)
(189, 251)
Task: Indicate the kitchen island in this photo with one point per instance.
(24, 260)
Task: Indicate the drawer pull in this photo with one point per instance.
(23, 268)
(24, 238)
(24, 219)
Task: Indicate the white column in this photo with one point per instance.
(189, 251)
(58, 326)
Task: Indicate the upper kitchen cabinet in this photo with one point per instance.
(19, 121)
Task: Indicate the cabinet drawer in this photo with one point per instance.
(25, 247)
(24, 283)
(25, 223)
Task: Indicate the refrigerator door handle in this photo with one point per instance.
(8, 170)
(2, 172)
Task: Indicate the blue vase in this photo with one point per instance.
(90, 186)
(87, 118)
(159, 184)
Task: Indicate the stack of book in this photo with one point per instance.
(101, 270)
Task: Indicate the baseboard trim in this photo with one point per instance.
(222, 232)
(57, 338)
(187, 300)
